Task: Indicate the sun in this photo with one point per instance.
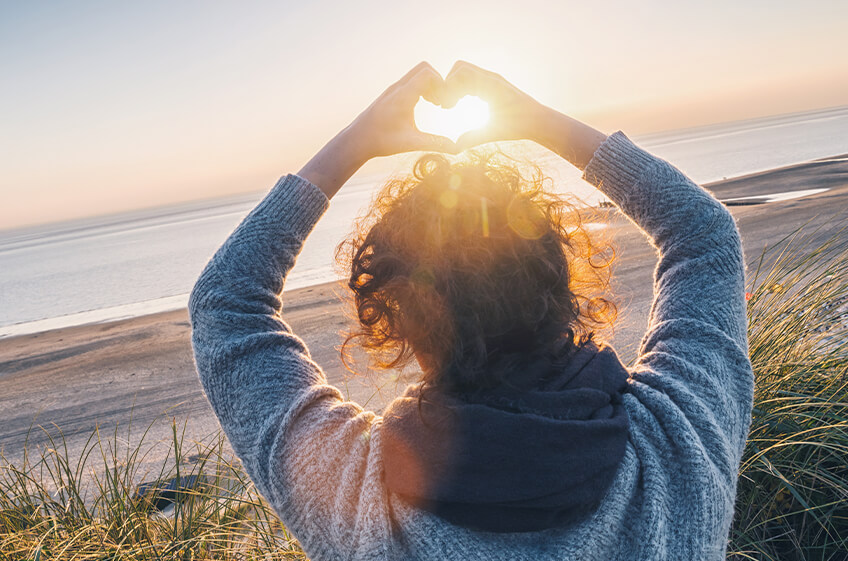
(469, 113)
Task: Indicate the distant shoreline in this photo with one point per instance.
(178, 302)
(133, 263)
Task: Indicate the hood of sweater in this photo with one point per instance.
(512, 460)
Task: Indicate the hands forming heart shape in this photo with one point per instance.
(388, 126)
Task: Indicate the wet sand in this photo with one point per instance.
(141, 369)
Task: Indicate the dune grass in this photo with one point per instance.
(53, 508)
(792, 496)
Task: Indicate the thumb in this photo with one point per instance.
(433, 143)
(474, 138)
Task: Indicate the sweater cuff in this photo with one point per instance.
(617, 166)
(295, 203)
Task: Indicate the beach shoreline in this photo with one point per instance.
(114, 310)
(102, 374)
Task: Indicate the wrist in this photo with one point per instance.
(352, 146)
(548, 125)
(568, 137)
(335, 163)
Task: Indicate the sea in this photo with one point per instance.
(146, 261)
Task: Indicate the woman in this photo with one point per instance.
(525, 439)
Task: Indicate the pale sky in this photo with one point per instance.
(109, 106)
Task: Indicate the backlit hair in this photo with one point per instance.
(479, 269)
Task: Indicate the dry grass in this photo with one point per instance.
(51, 508)
(793, 490)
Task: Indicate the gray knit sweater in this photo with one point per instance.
(318, 460)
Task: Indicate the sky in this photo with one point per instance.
(111, 106)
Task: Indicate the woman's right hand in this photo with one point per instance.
(515, 115)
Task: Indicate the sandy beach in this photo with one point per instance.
(141, 369)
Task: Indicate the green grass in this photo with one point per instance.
(792, 496)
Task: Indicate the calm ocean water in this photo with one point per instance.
(147, 261)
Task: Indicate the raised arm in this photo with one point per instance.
(307, 450)
(695, 350)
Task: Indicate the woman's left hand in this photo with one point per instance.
(386, 127)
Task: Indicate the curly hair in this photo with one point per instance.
(477, 270)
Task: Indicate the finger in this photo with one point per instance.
(465, 66)
(415, 70)
(414, 76)
(458, 82)
(426, 83)
(468, 79)
(465, 79)
(475, 138)
(404, 81)
(433, 143)
(465, 70)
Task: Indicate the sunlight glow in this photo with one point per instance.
(469, 113)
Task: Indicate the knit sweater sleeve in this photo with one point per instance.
(307, 450)
(693, 358)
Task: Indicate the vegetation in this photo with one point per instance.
(50, 508)
(792, 498)
(792, 495)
